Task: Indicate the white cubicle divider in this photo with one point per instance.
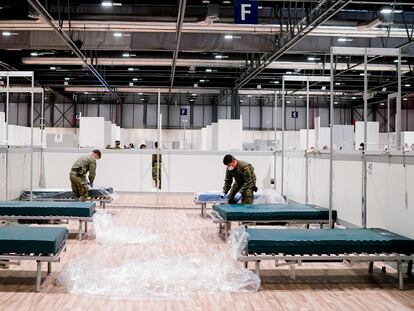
(21, 136)
(214, 136)
(344, 137)
(229, 134)
(2, 129)
(407, 139)
(312, 142)
(203, 145)
(194, 171)
(209, 137)
(113, 134)
(108, 133)
(92, 132)
(372, 135)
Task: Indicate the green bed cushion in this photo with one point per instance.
(272, 212)
(26, 240)
(42, 208)
(327, 241)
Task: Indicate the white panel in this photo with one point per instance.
(2, 129)
(203, 139)
(244, 111)
(92, 132)
(229, 134)
(311, 142)
(208, 115)
(152, 115)
(178, 169)
(324, 137)
(214, 136)
(3, 176)
(255, 118)
(295, 179)
(127, 116)
(198, 116)
(108, 133)
(209, 137)
(113, 134)
(268, 118)
(344, 137)
(372, 135)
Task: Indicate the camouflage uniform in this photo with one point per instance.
(155, 169)
(77, 176)
(245, 182)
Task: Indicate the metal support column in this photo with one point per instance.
(364, 159)
(275, 151)
(307, 145)
(283, 139)
(398, 108)
(331, 154)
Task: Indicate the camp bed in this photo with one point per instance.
(295, 246)
(41, 244)
(101, 195)
(259, 214)
(213, 197)
(45, 210)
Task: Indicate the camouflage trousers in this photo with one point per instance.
(79, 186)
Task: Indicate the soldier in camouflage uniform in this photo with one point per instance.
(156, 167)
(245, 180)
(77, 175)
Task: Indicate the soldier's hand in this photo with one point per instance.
(238, 196)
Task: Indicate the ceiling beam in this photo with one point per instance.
(55, 26)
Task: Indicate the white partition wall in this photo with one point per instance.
(108, 133)
(229, 134)
(204, 171)
(2, 129)
(372, 135)
(312, 142)
(92, 132)
(344, 137)
(214, 136)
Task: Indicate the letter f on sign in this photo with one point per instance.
(244, 11)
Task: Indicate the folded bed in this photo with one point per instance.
(45, 210)
(41, 244)
(294, 246)
(102, 195)
(292, 213)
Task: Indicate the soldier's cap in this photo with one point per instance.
(97, 152)
(228, 158)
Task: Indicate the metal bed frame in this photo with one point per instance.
(292, 260)
(39, 258)
(225, 226)
(81, 220)
(102, 200)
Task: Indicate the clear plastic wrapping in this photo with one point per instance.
(170, 278)
(269, 196)
(237, 242)
(108, 233)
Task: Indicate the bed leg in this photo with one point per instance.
(86, 226)
(246, 264)
(49, 267)
(400, 275)
(321, 225)
(38, 275)
(227, 226)
(203, 208)
(257, 268)
(80, 230)
(410, 268)
(370, 267)
(307, 226)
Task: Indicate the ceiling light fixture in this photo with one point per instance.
(125, 54)
(67, 79)
(7, 33)
(219, 56)
(117, 34)
(106, 3)
(131, 69)
(53, 68)
(209, 70)
(228, 37)
(345, 39)
(34, 54)
(134, 79)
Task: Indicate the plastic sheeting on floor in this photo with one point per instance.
(269, 196)
(108, 233)
(176, 277)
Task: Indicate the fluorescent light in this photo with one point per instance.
(228, 37)
(65, 83)
(106, 3)
(386, 11)
(402, 61)
(241, 100)
(405, 98)
(139, 93)
(300, 97)
(337, 83)
(323, 88)
(117, 34)
(226, 2)
(194, 94)
(52, 68)
(117, 4)
(67, 79)
(125, 54)
(131, 83)
(384, 89)
(206, 1)
(345, 39)
(202, 81)
(34, 54)
(249, 96)
(131, 69)
(335, 103)
(134, 79)
(382, 104)
(311, 58)
(86, 93)
(353, 97)
(142, 98)
(275, 82)
(195, 84)
(93, 98)
(209, 70)
(289, 72)
(7, 33)
(219, 56)
(288, 102)
(362, 74)
(407, 85)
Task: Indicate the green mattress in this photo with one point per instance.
(327, 241)
(42, 208)
(272, 212)
(26, 240)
